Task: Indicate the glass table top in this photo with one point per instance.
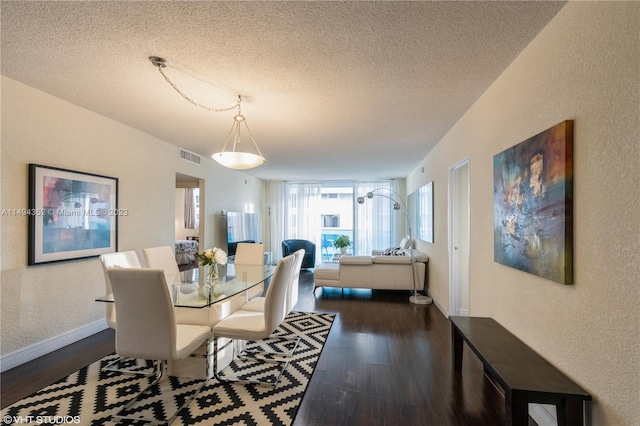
(188, 292)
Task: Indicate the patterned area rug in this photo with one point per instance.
(90, 396)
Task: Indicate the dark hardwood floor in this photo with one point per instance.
(386, 362)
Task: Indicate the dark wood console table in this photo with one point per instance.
(524, 375)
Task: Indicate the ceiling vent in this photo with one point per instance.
(189, 156)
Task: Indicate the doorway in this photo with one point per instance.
(459, 238)
(189, 229)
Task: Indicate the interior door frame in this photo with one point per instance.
(453, 214)
(187, 181)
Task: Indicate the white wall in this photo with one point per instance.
(46, 301)
(585, 66)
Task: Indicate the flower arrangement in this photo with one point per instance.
(212, 258)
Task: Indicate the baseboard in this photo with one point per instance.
(31, 352)
(440, 306)
(541, 416)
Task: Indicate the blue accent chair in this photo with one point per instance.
(291, 246)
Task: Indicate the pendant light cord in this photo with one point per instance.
(199, 105)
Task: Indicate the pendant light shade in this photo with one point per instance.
(235, 157)
(238, 160)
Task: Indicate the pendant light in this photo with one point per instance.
(231, 155)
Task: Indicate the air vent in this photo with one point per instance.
(189, 156)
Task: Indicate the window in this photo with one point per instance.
(330, 220)
(322, 211)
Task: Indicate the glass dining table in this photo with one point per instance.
(188, 292)
(200, 304)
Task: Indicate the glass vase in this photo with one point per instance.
(212, 275)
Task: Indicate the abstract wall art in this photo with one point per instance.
(72, 215)
(532, 205)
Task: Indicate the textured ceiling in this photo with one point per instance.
(331, 90)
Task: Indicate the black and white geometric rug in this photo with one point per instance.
(90, 396)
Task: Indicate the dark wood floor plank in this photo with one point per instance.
(385, 362)
(388, 362)
(26, 379)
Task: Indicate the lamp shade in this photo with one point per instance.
(235, 157)
(238, 160)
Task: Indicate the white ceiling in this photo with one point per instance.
(331, 90)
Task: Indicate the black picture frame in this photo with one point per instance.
(72, 215)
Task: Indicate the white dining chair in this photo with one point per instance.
(257, 303)
(249, 254)
(122, 259)
(254, 326)
(292, 293)
(163, 258)
(146, 328)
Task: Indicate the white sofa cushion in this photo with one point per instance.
(405, 243)
(418, 256)
(327, 271)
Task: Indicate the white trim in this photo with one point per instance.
(440, 306)
(36, 350)
(541, 416)
(453, 290)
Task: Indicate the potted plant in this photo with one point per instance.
(342, 242)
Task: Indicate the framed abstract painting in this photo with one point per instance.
(533, 205)
(72, 215)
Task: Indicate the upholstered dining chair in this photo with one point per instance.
(257, 303)
(249, 254)
(254, 326)
(163, 258)
(146, 328)
(292, 293)
(122, 259)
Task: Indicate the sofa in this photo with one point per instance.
(377, 272)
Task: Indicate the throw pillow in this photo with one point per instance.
(394, 251)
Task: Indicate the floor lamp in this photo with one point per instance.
(399, 204)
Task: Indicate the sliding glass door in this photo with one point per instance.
(322, 212)
(336, 215)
